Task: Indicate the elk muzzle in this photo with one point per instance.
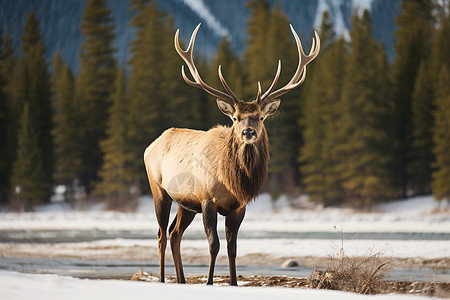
(249, 135)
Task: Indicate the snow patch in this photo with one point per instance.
(416, 205)
(203, 11)
(334, 9)
(15, 286)
(362, 5)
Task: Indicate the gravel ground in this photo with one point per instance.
(432, 289)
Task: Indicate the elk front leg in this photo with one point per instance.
(232, 223)
(180, 223)
(209, 212)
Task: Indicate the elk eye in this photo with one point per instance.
(234, 119)
(262, 118)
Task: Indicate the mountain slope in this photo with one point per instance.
(60, 21)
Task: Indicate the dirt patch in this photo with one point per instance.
(432, 289)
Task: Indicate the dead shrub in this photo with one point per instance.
(363, 275)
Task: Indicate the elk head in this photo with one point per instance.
(248, 117)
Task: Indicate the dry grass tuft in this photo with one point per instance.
(363, 275)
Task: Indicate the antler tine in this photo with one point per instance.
(225, 85)
(303, 59)
(275, 80)
(187, 56)
(300, 73)
(188, 81)
(258, 96)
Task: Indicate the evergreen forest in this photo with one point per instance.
(360, 130)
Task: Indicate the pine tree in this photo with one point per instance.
(182, 105)
(138, 22)
(386, 117)
(9, 117)
(364, 161)
(439, 66)
(255, 57)
(412, 39)
(441, 43)
(146, 115)
(323, 113)
(66, 134)
(421, 157)
(4, 112)
(327, 33)
(116, 175)
(95, 84)
(28, 175)
(34, 89)
(441, 138)
(284, 132)
(57, 70)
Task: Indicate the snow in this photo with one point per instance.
(362, 5)
(15, 286)
(205, 14)
(334, 9)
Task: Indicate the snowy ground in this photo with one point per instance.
(15, 286)
(410, 231)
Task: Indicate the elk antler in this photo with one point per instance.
(186, 55)
(300, 73)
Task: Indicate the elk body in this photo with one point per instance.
(216, 171)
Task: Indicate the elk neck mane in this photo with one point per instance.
(243, 167)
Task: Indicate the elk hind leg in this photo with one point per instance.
(163, 202)
(180, 223)
(209, 212)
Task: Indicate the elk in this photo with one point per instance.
(216, 171)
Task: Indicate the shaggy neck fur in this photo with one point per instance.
(244, 166)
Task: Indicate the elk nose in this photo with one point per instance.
(249, 133)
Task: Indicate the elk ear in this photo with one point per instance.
(270, 108)
(226, 108)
